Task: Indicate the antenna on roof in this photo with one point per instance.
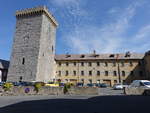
(128, 54)
(67, 55)
(94, 52)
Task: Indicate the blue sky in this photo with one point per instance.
(107, 26)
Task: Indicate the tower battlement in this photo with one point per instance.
(36, 11)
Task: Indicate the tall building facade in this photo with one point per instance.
(32, 57)
(100, 68)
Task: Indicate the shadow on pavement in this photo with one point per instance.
(101, 104)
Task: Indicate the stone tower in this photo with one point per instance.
(32, 57)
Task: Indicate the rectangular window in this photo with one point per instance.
(123, 73)
(82, 72)
(59, 73)
(131, 64)
(98, 73)
(90, 73)
(67, 64)
(90, 81)
(74, 73)
(115, 81)
(66, 80)
(115, 73)
(59, 63)
(90, 64)
(82, 63)
(139, 63)
(132, 73)
(114, 64)
(98, 64)
(67, 73)
(23, 61)
(75, 63)
(98, 81)
(106, 73)
(106, 64)
(124, 81)
(82, 80)
(122, 64)
(141, 73)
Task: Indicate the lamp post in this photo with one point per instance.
(78, 71)
(118, 68)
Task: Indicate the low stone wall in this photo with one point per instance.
(83, 91)
(30, 90)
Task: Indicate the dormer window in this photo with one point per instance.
(112, 55)
(82, 56)
(128, 54)
(68, 56)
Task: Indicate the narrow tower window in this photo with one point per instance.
(23, 61)
(52, 48)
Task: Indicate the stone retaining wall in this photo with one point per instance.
(15, 91)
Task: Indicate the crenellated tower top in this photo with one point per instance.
(36, 11)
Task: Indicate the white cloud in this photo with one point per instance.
(143, 33)
(140, 40)
(63, 2)
(105, 39)
(113, 10)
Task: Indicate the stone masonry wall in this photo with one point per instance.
(47, 51)
(26, 46)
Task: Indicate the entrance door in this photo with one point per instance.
(73, 81)
(108, 82)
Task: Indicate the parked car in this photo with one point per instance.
(61, 84)
(98, 85)
(118, 87)
(52, 84)
(90, 85)
(24, 83)
(138, 87)
(79, 85)
(103, 85)
(1, 83)
(16, 83)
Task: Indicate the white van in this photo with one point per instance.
(138, 87)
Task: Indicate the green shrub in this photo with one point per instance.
(7, 86)
(38, 85)
(66, 87)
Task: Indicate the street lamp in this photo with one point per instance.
(118, 68)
